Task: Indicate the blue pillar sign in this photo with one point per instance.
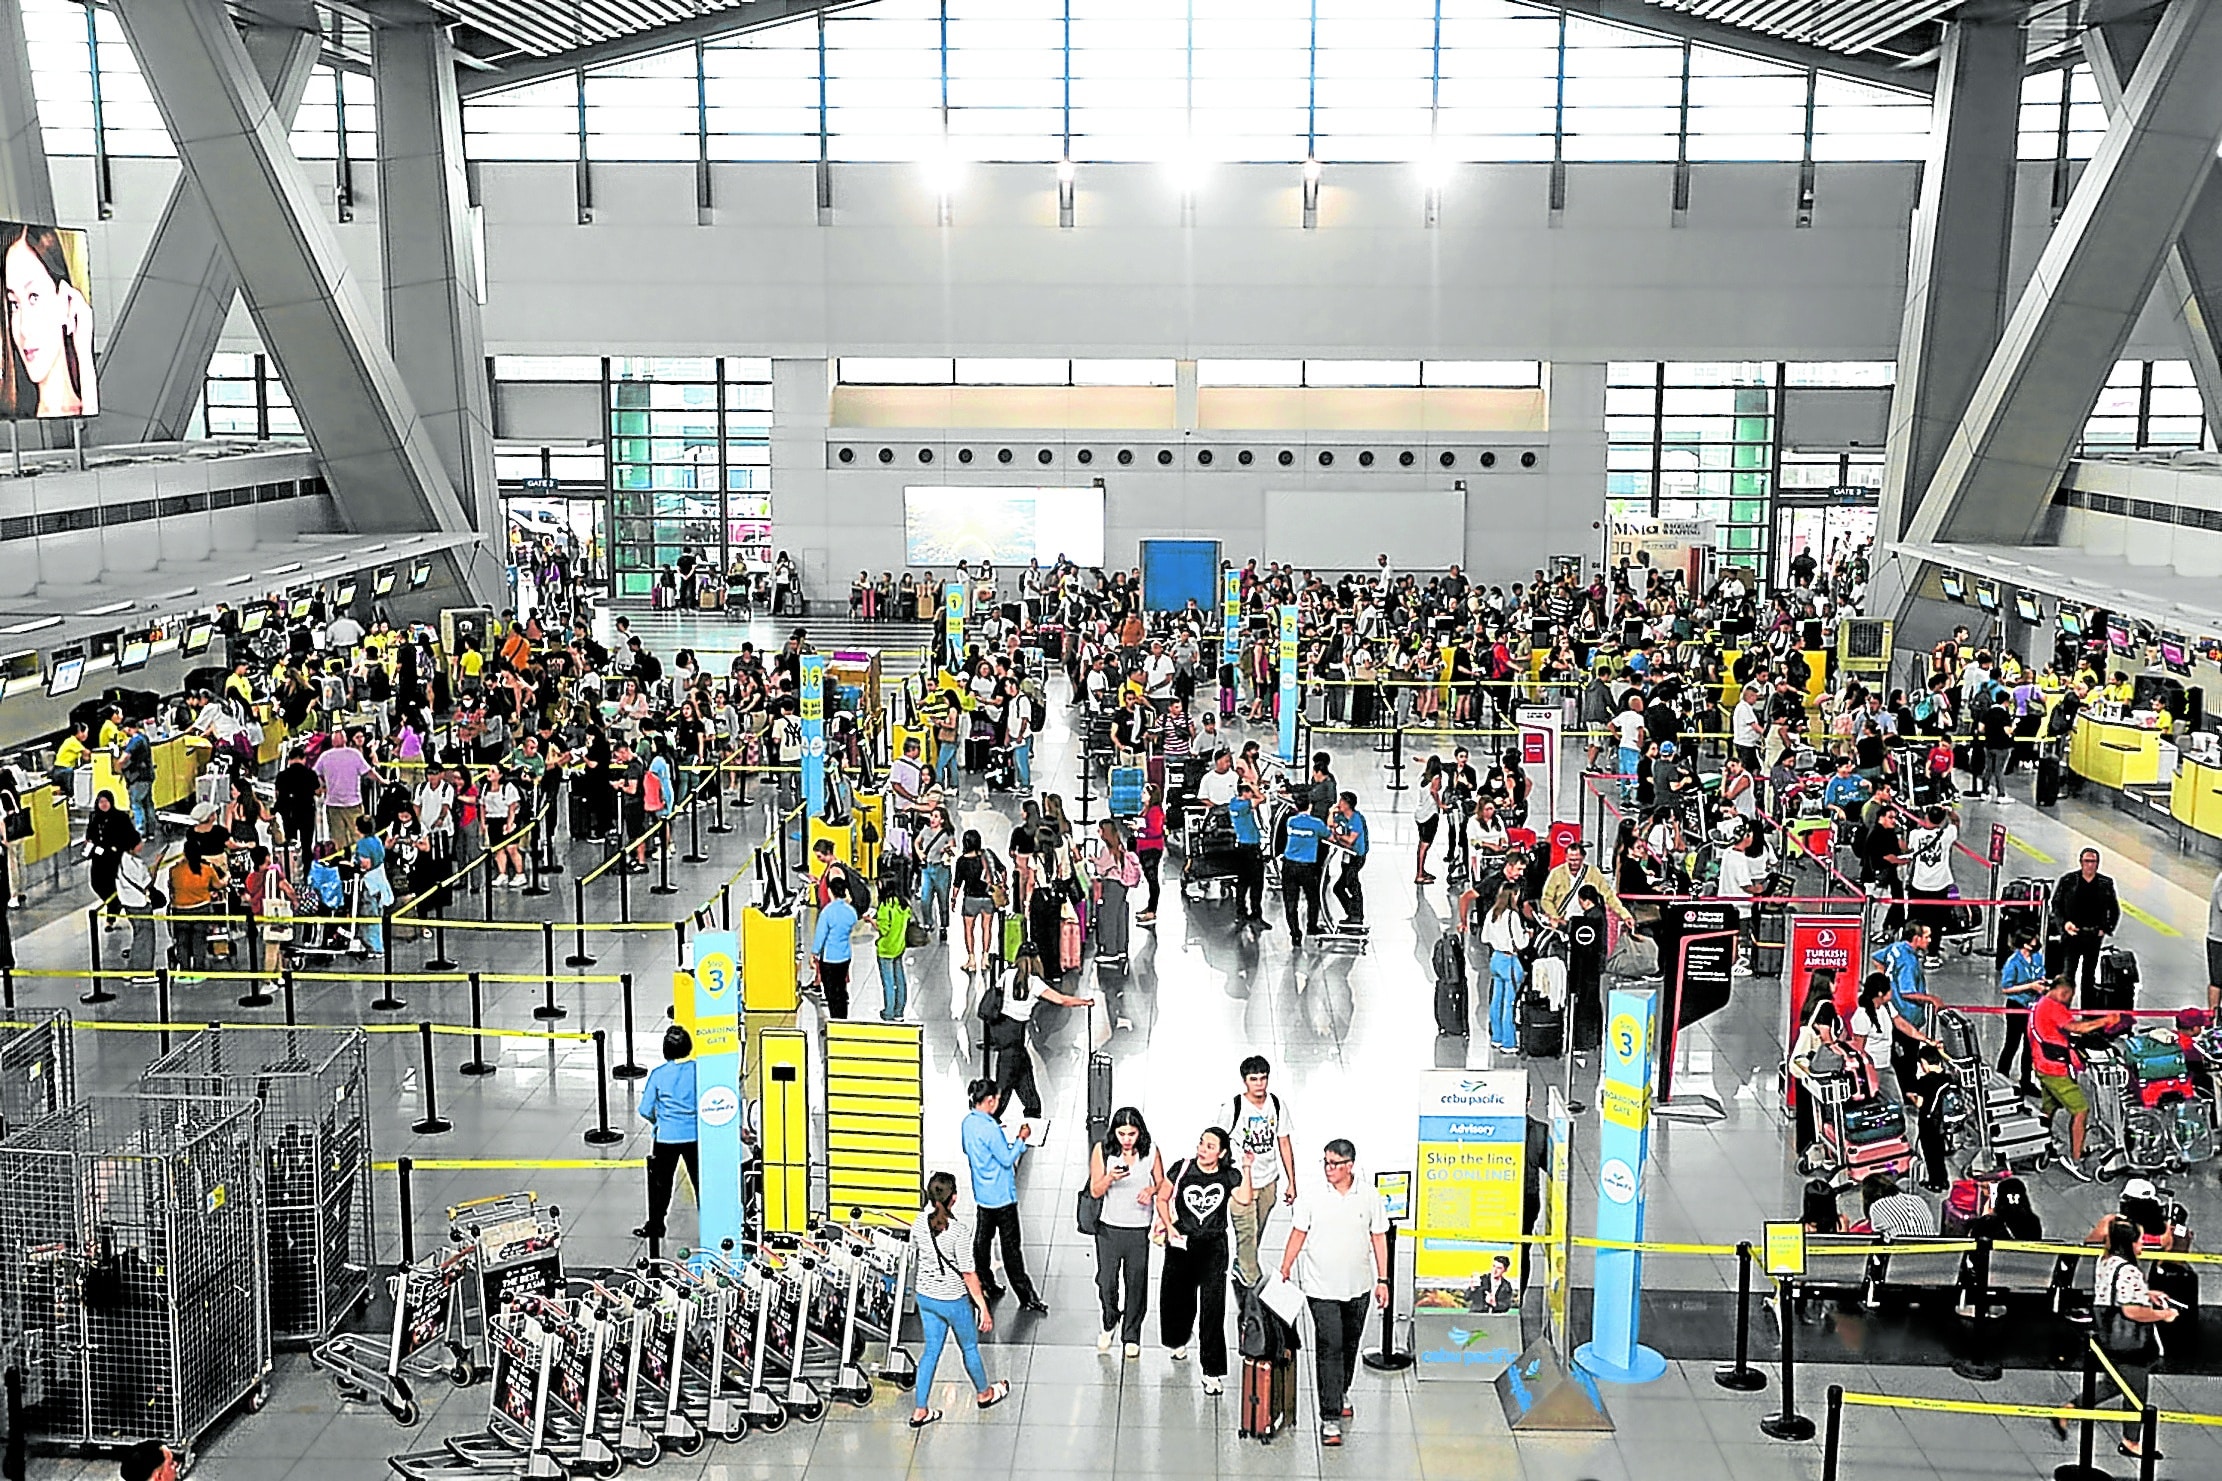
(1289, 701)
(1613, 1353)
(813, 707)
(956, 605)
(1230, 615)
(708, 999)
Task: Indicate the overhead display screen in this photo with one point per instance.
(944, 524)
(46, 323)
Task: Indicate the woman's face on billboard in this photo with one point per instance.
(39, 310)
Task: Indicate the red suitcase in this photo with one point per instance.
(1268, 1396)
(1070, 937)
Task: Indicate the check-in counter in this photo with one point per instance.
(2114, 753)
(49, 812)
(178, 762)
(2195, 798)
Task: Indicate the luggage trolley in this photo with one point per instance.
(883, 1252)
(787, 1332)
(427, 1338)
(705, 1390)
(574, 1431)
(514, 1440)
(836, 1294)
(747, 1338)
(1854, 1135)
(516, 1250)
(2006, 1137)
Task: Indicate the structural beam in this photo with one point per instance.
(2091, 281)
(26, 190)
(379, 458)
(155, 362)
(1686, 25)
(717, 25)
(432, 279)
(2191, 275)
(1956, 284)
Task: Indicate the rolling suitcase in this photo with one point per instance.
(1070, 937)
(1099, 1095)
(1541, 1027)
(2114, 986)
(1268, 1396)
(2014, 919)
(2048, 781)
(1450, 986)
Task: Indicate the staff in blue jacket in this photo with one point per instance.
(667, 1104)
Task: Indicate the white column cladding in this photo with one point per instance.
(26, 189)
(1574, 500)
(802, 513)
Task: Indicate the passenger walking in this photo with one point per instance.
(1262, 1129)
(1338, 1253)
(2089, 910)
(992, 1155)
(1193, 1205)
(893, 922)
(2130, 1317)
(950, 1302)
(1124, 1171)
(1024, 991)
(667, 1104)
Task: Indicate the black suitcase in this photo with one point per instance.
(2015, 920)
(1099, 1096)
(582, 817)
(1541, 1028)
(2114, 986)
(1451, 1016)
(2048, 781)
(2179, 1282)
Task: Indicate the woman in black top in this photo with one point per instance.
(976, 900)
(1192, 1206)
(109, 835)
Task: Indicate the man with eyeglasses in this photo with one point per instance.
(1339, 1249)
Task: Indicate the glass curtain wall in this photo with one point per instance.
(689, 465)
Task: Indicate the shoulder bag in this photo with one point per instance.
(1087, 1207)
(2122, 1337)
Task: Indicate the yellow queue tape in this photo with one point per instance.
(80, 974)
(447, 1030)
(496, 1164)
(1650, 1247)
(401, 911)
(2137, 1399)
(2063, 1412)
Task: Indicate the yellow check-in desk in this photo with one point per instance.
(178, 761)
(2195, 799)
(49, 812)
(2114, 753)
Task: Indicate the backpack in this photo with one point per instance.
(138, 760)
(652, 791)
(1037, 714)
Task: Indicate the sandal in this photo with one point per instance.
(997, 1393)
(920, 1421)
(2139, 1454)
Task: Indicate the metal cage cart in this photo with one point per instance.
(133, 1274)
(314, 1089)
(38, 1066)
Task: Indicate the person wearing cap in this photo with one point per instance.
(667, 1103)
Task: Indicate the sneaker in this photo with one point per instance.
(1179, 1354)
(1133, 1351)
(1330, 1433)
(1214, 1386)
(1105, 1338)
(2076, 1169)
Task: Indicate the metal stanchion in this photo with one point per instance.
(477, 1063)
(285, 982)
(719, 825)
(100, 992)
(2148, 1441)
(602, 1134)
(2082, 1468)
(7, 987)
(438, 961)
(1971, 1364)
(534, 889)
(579, 957)
(387, 1002)
(431, 1123)
(1740, 1375)
(550, 1010)
(631, 1069)
(255, 996)
(403, 1166)
(1388, 1359)
(1788, 1423)
(694, 854)
(1833, 1439)
(725, 907)
(1396, 782)
(663, 884)
(625, 891)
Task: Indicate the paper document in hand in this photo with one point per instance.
(1283, 1299)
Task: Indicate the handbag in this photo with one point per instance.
(2119, 1336)
(1087, 1211)
(15, 824)
(917, 933)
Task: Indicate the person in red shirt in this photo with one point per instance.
(2050, 1024)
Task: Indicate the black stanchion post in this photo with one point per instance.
(439, 960)
(387, 1001)
(1388, 1359)
(100, 992)
(1832, 1439)
(7, 986)
(256, 995)
(477, 1063)
(285, 980)
(725, 907)
(407, 1203)
(431, 1123)
(1740, 1375)
(1788, 1424)
(631, 1069)
(718, 824)
(1396, 758)
(579, 957)
(602, 1134)
(663, 884)
(2148, 1442)
(694, 835)
(1971, 1364)
(549, 1010)
(2083, 1468)
(534, 889)
(625, 891)
(162, 1004)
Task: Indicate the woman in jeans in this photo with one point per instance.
(1125, 1173)
(950, 1302)
(937, 849)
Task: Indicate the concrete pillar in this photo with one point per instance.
(2093, 278)
(434, 321)
(1575, 467)
(803, 515)
(1956, 288)
(155, 360)
(379, 459)
(26, 190)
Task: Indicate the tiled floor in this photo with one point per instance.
(1344, 1033)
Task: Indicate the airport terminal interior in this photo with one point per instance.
(1549, 666)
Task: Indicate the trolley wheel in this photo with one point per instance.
(859, 1398)
(737, 1433)
(647, 1455)
(606, 1468)
(689, 1445)
(404, 1412)
(257, 1397)
(771, 1422)
(811, 1413)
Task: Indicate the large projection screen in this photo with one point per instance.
(944, 523)
(1343, 530)
(46, 323)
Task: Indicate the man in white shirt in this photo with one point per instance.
(342, 633)
(1744, 730)
(1157, 676)
(1339, 1251)
(1930, 843)
(1217, 785)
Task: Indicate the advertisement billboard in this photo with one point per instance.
(46, 323)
